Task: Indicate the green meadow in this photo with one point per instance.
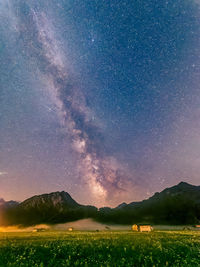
(103, 248)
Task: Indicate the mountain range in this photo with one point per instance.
(179, 204)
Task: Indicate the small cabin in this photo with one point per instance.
(145, 228)
(70, 229)
(142, 227)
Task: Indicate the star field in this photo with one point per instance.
(98, 98)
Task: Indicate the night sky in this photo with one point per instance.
(99, 98)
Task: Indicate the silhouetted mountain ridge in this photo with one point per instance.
(179, 204)
(59, 200)
(56, 207)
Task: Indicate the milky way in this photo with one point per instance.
(102, 173)
(100, 99)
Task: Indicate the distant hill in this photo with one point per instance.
(4, 204)
(4, 208)
(179, 204)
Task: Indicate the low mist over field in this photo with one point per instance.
(80, 225)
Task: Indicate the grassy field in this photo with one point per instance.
(104, 248)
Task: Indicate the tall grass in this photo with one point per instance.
(105, 248)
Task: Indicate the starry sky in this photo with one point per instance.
(99, 98)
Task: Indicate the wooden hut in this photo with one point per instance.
(142, 227)
(145, 228)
